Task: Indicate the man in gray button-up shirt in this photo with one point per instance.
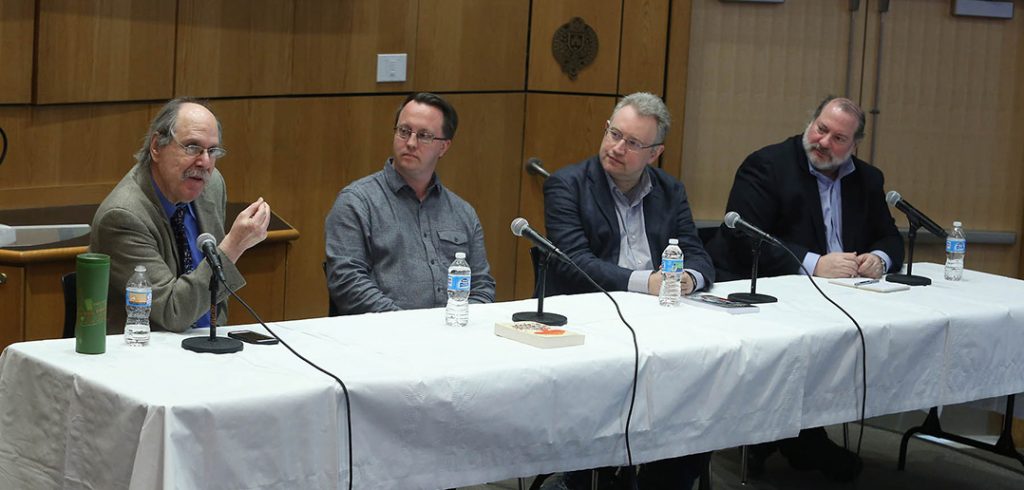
(392, 235)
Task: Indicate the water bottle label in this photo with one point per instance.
(138, 297)
(956, 245)
(458, 283)
(672, 265)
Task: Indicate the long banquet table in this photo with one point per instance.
(435, 406)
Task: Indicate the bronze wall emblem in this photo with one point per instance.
(574, 46)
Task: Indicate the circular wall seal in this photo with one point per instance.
(574, 46)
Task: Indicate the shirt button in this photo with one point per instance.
(432, 262)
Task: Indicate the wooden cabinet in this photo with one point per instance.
(32, 301)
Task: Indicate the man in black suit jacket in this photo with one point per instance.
(613, 215)
(828, 208)
(790, 188)
(588, 205)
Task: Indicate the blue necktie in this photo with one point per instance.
(184, 249)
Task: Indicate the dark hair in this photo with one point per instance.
(451, 118)
(163, 126)
(848, 106)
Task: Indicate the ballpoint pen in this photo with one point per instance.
(865, 282)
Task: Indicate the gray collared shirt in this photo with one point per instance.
(387, 250)
(634, 249)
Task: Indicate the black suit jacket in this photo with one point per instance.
(579, 213)
(775, 191)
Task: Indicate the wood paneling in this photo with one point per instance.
(12, 304)
(268, 47)
(265, 283)
(105, 51)
(950, 119)
(756, 72)
(560, 130)
(601, 77)
(17, 29)
(44, 314)
(471, 45)
(675, 84)
(644, 43)
(234, 47)
(336, 44)
(68, 154)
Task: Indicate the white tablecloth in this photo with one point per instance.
(434, 406)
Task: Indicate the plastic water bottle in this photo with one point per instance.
(671, 274)
(138, 300)
(956, 248)
(456, 314)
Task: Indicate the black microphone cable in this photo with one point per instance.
(3, 153)
(348, 406)
(636, 358)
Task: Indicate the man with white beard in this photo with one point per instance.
(827, 207)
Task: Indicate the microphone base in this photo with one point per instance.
(753, 298)
(215, 345)
(908, 279)
(550, 319)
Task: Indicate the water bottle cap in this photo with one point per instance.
(140, 268)
(460, 255)
(956, 224)
(673, 241)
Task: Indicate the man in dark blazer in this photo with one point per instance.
(828, 208)
(790, 188)
(613, 215)
(588, 205)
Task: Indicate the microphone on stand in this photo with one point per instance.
(916, 219)
(521, 228)
(732, 220)
(212, 343)
(534, 166)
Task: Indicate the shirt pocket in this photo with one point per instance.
(452, 241)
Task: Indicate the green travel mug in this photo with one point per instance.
(93, 278)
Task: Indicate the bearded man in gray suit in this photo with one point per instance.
(154, 215)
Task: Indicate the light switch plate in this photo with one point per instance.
(391, 67)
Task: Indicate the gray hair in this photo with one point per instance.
(648, 105)
(845, 105)
(163, 127)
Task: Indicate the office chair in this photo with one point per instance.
(69, 285)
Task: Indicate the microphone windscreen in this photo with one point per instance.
(205, 237)
(731, 218)
(893, 197)
(518, 225)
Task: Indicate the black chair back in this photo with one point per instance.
(69, 283)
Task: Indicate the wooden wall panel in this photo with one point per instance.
(12, 304)
(105, 51)
(644, 44)
(472, 45)
(234, 47)
(756, 72)
(68, 154)
(337, 42)
(948, 132)
(601, 77)
(560, 130)
(17, 34)
(45, 318)
(675, 84)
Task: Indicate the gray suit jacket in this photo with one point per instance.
(131, 227)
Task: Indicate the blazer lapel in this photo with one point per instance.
(603, 196)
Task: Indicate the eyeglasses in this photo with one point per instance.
(214, 152)
(423, 136)
(631, 144)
